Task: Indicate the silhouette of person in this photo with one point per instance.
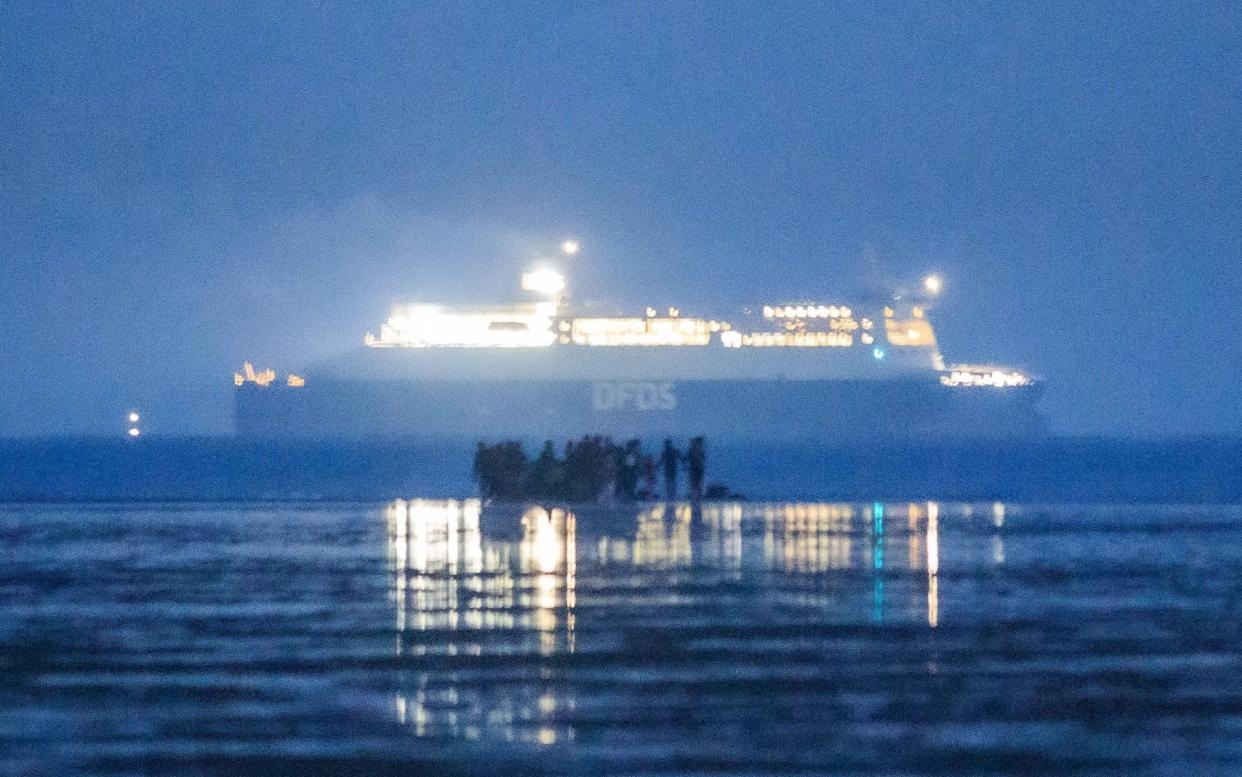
(649, 476)
(629, 462)
(696, 463)
(670, 459)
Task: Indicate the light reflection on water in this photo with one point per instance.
(743, 638)
(457, 587)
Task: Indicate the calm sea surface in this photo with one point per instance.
(740, 638)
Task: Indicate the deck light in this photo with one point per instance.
(548, 282)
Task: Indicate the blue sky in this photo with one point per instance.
(184, 186)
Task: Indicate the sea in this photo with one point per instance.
(411, 633)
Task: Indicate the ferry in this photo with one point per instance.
(546, 368)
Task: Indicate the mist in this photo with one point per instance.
(184, 188)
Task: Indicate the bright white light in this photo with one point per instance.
(133, 417)
(423, 326)
(984, 376)
(570, 247)
(543, 282)
(134, 431)
(641, 331)
(933, 284)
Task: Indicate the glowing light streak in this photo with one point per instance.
(933, 564)
(806, 311)
(544, 281)
(641, 331)
(984, 376)
(792, 340)
(429, 326)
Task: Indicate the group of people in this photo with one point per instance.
(592, 468)
(632, 462)
(695, 459)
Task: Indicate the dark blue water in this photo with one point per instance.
(1185, 471)
(427, 638)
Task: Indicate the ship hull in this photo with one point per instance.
(769, 410)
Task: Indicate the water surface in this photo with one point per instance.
(736, 638)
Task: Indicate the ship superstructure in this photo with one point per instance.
(544, 368)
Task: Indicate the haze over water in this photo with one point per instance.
(187, 187)
(739, 638)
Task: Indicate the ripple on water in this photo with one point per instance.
(903, 638)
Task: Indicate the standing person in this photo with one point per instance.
(670, 458)
(649, 476)
(630, 455)
(696, 463)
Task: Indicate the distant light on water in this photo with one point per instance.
(933, 284)
(570, 247)
(134, 431)
(933, 564)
